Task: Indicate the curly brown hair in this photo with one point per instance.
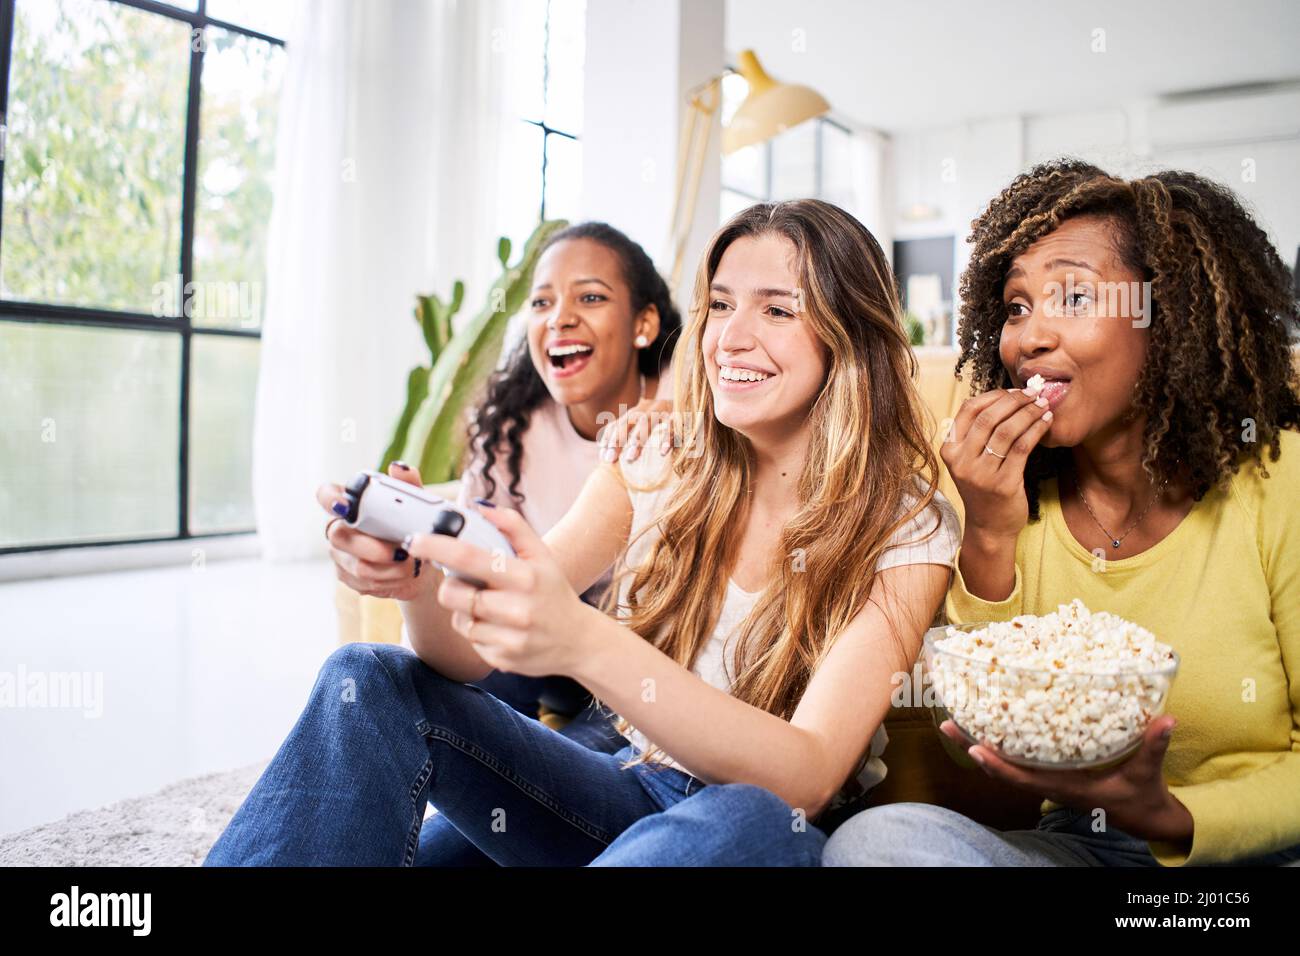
(1223, 308)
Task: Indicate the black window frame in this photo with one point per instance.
(40, 313)
(547, 133)
(818, 161)
(547, 130)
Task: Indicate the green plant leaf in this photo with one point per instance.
(426, 313)
(435, 318)
(417, 387)
(436, 436)
(445, 320)
(914, 327)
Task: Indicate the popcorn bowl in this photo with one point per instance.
(1059, 717)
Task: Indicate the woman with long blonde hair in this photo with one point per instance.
(775, 568)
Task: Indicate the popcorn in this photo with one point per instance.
(1072, 687)
(1035, 383)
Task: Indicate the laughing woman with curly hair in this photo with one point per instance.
(1157, 476)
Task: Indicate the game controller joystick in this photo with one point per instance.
(390, 509)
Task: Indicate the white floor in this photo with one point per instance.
(201, 669)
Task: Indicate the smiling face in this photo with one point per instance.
(764, 364)
(581, 326)
(1074, 315)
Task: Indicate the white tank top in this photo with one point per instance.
(713, 661)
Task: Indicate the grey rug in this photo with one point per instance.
(174, 827)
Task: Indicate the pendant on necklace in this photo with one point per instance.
(1115, 542)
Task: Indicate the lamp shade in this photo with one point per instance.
(770, 108)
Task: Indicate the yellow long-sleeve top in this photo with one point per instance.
(1223, 589)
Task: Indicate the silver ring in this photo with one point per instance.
(992, 452)
(329, 524)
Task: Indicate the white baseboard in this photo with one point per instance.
(61, 562)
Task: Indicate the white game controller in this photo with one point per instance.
(389, 509)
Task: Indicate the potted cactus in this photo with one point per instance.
(431, 430)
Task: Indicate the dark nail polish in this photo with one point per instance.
(402, 465)
(340, 509)
(417, 567)
(484, 502)
(400, 555)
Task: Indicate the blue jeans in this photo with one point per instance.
(589, 725)
(918, 834)
(383, 734)
(441, 844)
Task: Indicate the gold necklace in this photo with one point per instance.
(1114, 541)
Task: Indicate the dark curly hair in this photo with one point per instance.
(1223, 307)
(514, 391)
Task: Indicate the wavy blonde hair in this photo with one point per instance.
(868, 444)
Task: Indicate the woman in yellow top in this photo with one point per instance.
(1156, 476)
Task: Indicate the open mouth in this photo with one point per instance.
(569, 359)
(734, 378)
(1052, 390)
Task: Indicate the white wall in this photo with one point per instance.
(956, 169)
(642, 58)
(1248, 141)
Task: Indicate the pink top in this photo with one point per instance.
(556, 462)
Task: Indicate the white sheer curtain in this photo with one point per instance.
(392, 127)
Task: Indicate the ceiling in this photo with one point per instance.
(908, 65)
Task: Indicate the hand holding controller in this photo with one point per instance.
(390, 510)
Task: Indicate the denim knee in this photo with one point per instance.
(381, 681)
(887, 835)
(357, 657)
(720, 825)
(767, 829)
(374, 665)
(747, 801)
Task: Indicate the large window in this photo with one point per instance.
(550, 46)
(821, 159)
(137, 163)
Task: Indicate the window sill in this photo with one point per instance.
(64, 562)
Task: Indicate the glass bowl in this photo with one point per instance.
(1044, 719)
